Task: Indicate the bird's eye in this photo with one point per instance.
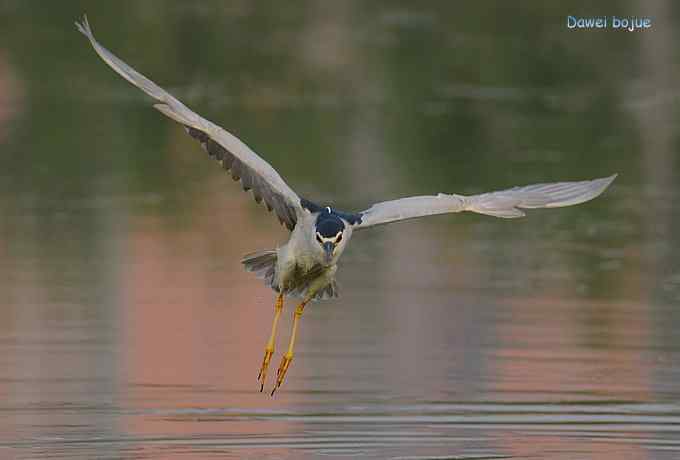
(318, 238)
(338, 239)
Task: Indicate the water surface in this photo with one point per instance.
(129, 330)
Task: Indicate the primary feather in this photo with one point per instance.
(254, 173)
(506, 203)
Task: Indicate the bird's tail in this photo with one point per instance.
(263, 264)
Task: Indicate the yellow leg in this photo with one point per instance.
(288, 357)
(269, 349)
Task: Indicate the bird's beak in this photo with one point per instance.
(329, 248)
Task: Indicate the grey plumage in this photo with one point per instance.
(263, 264)
(505, 203)
(305, 266)
(246, 165)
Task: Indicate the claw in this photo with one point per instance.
(283, 368)
(263, 369)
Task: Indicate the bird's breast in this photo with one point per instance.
(302, 274)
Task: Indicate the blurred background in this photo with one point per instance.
(128, 328)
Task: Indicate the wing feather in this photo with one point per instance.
(506, 203)
(245, 165)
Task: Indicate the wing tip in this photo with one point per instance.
(84, 27)
(591, 190)
(601, 184)
(609, 179)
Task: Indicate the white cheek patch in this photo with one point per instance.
(331, 239)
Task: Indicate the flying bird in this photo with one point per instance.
(305, 266)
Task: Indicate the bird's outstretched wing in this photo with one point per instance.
(254, 173)
(505, 203)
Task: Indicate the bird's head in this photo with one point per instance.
(328, 231)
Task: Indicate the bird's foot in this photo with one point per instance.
(268, 352)
(281, 373)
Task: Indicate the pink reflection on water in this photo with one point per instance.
(553, 350)
(194, 324)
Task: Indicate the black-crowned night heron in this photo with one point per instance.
(305, 266)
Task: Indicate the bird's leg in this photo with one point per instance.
(288, 357)
(269, 349)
